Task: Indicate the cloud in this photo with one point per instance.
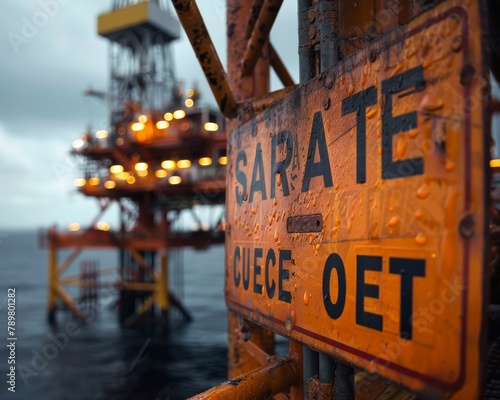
(42, 109)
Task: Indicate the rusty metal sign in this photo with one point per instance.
(356, 207)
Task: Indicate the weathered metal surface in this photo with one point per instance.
(260, 384)
(240, 361)
(389, 147)
(260, 34)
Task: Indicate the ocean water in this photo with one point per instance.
(100, 360)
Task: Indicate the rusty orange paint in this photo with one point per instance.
(387, 242)
(262, 383)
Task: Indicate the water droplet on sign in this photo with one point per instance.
(450, 165)
(393, 221)
(413, 132)
(370, 114)
(430, 102)
(401, 146)
(420, 239)
(306, 298)
(423, 192)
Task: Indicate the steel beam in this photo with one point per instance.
(193, 24)
(260, 34)
(280, 68)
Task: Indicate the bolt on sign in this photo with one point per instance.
(357, 207)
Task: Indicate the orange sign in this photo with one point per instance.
(356, 207)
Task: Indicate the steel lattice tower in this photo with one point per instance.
(141, 65)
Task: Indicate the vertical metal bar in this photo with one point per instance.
(326, 369)
(306, 70)
(164, 299)
(326, 377)
(328, 41)
(344, 382)
(51, 314)
(311, 368)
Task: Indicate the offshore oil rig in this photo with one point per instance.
(360, 220)
(162, 155)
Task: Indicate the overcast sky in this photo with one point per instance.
(43, 73)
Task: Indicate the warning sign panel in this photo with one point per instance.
(356, 207)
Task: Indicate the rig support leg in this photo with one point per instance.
(164, 291)
(52, 283)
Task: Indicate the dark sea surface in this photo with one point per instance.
(101, 360)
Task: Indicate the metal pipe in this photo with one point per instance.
(262, 383)
(280, 68)
(326, 377)
(328, 42)
(305, 54)
(192, 22)
(260, 34)
(311, 368)
(326, 369)
(344, 382)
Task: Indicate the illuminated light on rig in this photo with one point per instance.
(174, 180)
(179, 114)
(142, 173)
(137, 126)
(131, 180)
(119, 141)
(116, 169)
(162, 125)
(101, 134)
(185, 126)
(141, 166)
(74, 227)
(495, 163)
(189, 103)
(121, 130)
(223, 160)
(143, 119)
(94, 181)
(102, 226)
(205, 161)
(183, 164)
(79, 182)
(168, 116)
(109, 185)
(190, 92)
(123, 176)
(78, 144)
(161, 173)
(168, 164)
(211, 127)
